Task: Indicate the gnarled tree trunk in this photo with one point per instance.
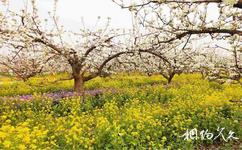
(78, 84)
(78, 79)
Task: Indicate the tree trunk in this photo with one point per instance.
(170, 77)
(79, 85)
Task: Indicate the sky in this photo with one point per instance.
(71, 12)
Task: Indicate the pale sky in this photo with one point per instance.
(71, 12)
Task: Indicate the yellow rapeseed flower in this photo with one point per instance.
(21, 147)
(6, 144)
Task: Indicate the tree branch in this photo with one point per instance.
(155, 54)
(99, 71)
(238, 5)
(203, 31)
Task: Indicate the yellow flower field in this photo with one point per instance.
(142, 113)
